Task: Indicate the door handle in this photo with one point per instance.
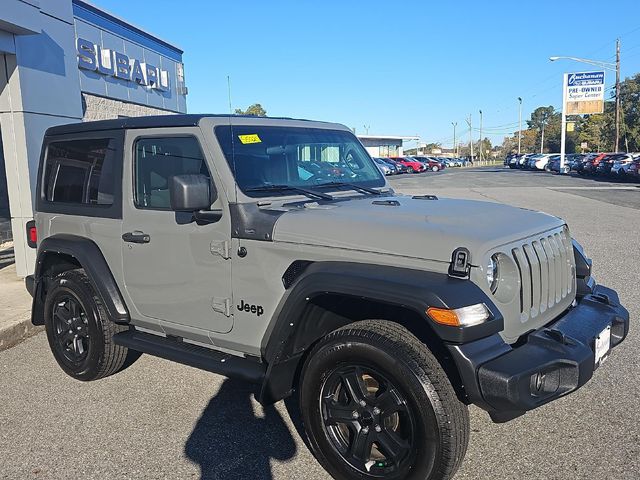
(136, 237)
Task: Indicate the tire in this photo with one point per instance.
(426, 433)
(434, 168)
(86, 351)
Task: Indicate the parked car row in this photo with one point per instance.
(602, 164)
(416, 164)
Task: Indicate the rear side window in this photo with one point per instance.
(80, 172)
(159, 158)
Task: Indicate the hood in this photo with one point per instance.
(411, 227)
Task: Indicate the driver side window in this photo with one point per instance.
(157, 159)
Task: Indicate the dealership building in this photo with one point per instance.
(384, 145)
(65, 61)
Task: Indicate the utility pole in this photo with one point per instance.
(470, 136)
(455, 124)
(481, 147)
(519, 123)
(542, 137)
(617, 95)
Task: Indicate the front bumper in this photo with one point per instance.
(554, 361)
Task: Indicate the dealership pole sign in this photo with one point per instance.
(584, 93)
(115, 64)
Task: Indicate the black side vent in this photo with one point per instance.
(294, 271)
(424, 197)
(387, 203)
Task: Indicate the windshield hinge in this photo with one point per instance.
(221, 248)
(222, 305)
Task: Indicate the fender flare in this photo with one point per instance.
(90, 258)
(288, 336)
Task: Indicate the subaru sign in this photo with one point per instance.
(584, 93)
(109, 62)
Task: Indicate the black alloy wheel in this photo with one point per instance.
(367, 419)
(70, 328)
(79, 330)
(376, 404)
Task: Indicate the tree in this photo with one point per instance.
(429, 147)
(484, 146)
(630, 102)
(547, 119)
(256, 110)
(529, 141)
(509, 145)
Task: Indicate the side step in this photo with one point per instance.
(193, 355)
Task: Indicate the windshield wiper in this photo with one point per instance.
(353, 186)
(289, 188)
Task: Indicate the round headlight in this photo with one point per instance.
(493, 267)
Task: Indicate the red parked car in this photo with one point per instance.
(433, 163)
(407, 162)
(588, 166)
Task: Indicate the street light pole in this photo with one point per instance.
(481, 147)
(563, 123)
(454, 135)
(470, 137)
(542, 137)
(519, 123)
(617, 94)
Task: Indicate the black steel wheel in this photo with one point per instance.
(80, 332)
(376, 404)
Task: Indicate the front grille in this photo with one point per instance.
(546, 267)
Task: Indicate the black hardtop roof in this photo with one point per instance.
(152, 121)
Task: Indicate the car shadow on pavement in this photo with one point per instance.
(230, 442)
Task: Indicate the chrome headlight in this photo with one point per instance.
(493, 272)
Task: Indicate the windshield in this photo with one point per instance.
(261, 156)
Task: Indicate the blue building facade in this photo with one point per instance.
(64, 61)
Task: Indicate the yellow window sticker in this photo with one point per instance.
(252, 138)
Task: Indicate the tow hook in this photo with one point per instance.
(558, 336)
(602, 298)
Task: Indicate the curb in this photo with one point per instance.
(17, 332)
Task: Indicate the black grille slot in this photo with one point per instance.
(294, 271)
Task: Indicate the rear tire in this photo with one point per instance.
(80, 332)
(376, 403)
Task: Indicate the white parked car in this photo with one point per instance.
(621, 165)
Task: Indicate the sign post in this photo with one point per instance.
(582, 94)
(563, 124)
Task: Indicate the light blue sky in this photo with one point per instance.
(402, 68)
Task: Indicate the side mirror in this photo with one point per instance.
(190, 193)
(194, 194)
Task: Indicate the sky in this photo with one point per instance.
(388, 68)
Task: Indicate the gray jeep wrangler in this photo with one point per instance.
(274, 251)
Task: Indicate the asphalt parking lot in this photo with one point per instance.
(162, 420)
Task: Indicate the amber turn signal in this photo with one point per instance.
(460, 317)
(443, 316)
